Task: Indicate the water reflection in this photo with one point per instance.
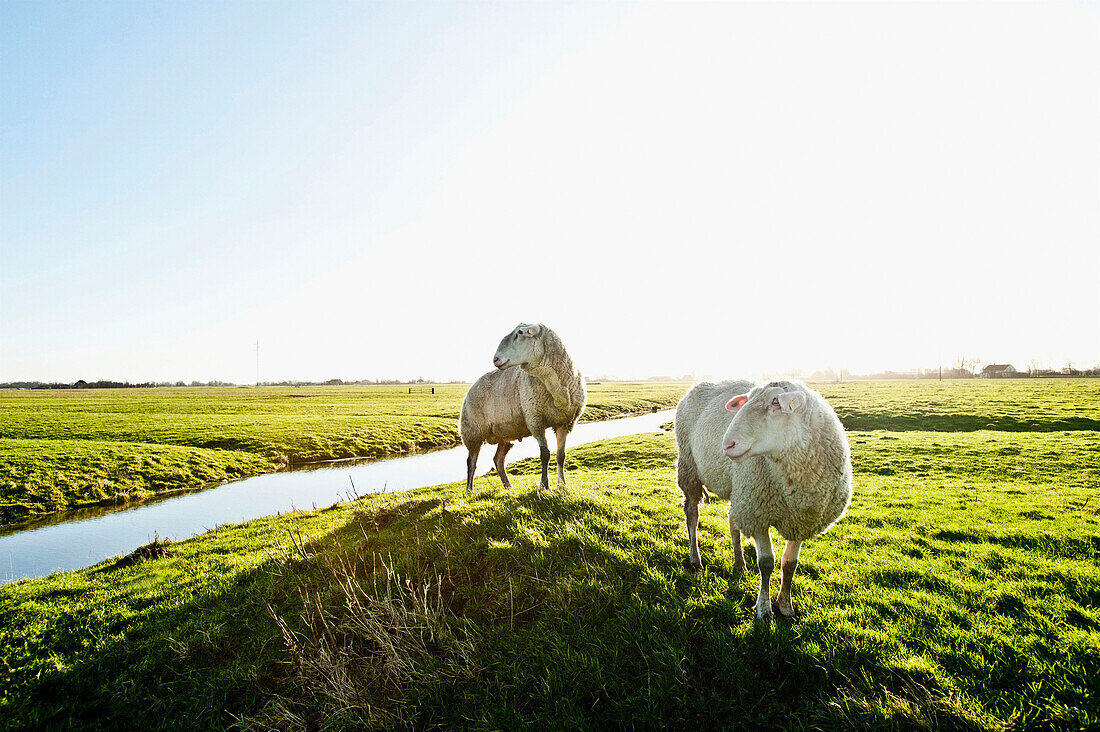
(84, 537)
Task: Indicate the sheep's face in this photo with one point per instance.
(765, 420)
(521, 346)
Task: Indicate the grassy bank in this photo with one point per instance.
(50, 475)
(66, 449)
(961, 591)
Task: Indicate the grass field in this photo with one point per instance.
(1017, 405)
(66, 449)
(961, 591)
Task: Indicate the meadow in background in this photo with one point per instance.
(961, 591)
(73, 448)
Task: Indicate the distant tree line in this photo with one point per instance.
(107, 384)
(954, 372)
(963, 370)
(362, 382)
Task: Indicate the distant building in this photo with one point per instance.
(998, 371)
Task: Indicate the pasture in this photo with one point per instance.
(961, 591)
(72, 448)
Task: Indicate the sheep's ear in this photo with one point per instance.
(792, 400)
(531, 331)
(737, 402)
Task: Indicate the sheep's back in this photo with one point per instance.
(538, 403)
(491, 411)
(701, 423)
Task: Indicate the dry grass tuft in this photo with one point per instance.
(156, 549)
(363, 644)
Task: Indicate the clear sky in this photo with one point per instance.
(378, 190)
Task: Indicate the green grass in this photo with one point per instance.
(66, 449)
(1019, 405)
(43, 476)
(962, 590)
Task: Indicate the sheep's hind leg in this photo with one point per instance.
(738, 552)
(544, 456)
(560, 433)
(498, 460)
(765, 560)
(790, 563)
(692, 488)
(471, 466)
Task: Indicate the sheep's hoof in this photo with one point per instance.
(765, 616)
(740, 568)
(786, 609)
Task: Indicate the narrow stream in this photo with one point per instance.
(85, 537)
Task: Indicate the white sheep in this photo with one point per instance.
(511, 403)
(779, 454)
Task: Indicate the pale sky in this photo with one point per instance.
(376, 190)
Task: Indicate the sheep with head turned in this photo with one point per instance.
(779, 455)
(534, 387)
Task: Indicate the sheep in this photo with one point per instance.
(779, 455)
(511, 403)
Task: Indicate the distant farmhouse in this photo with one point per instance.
(998, 371)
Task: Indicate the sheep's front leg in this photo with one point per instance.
(498, 460)
(560, 433)
(790, 563)
(544, 456)
(765, 560)
(738, 553)
(471, 466)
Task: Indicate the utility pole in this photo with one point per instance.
(257, 363)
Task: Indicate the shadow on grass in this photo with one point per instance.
(571, 630)
(576, 613)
